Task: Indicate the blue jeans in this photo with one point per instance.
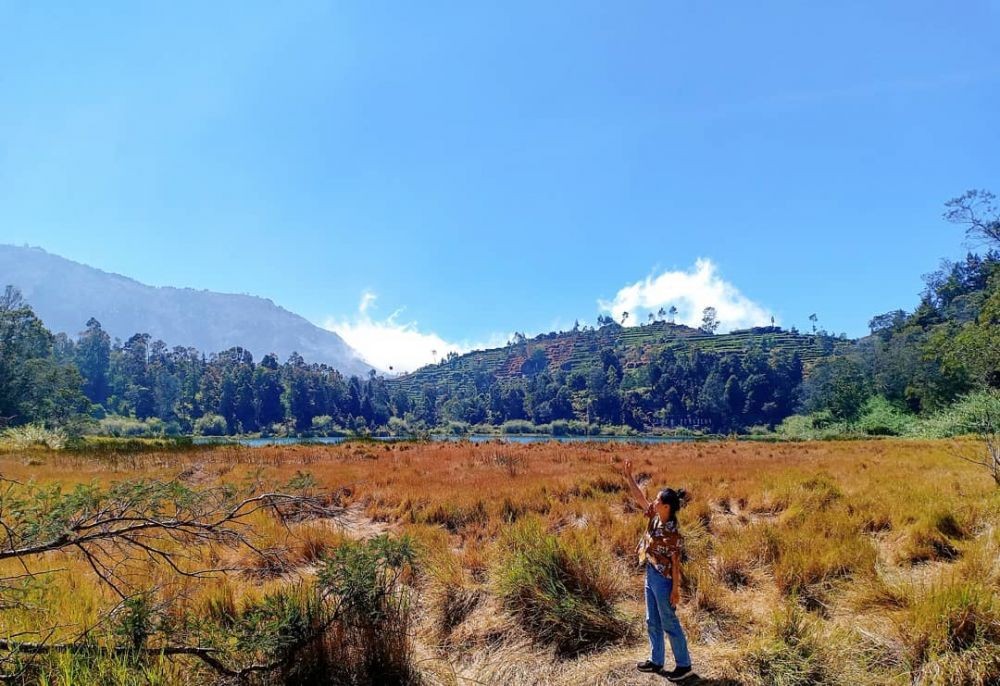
(660, 618)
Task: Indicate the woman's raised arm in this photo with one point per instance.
(633, 487)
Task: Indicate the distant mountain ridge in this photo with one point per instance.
(65, 294)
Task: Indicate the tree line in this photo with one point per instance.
(918, 361)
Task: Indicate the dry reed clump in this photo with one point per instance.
(561, 589)
(933, 536)
(798, 649)
(814, 555)
(311, 542)
(881, 591)
(952, 633)
(455, 517)
(742, 556)
(266, 563)
(451, 593)
(788, 653)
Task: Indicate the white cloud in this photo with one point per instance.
(367, 298)
(388, 342)
(691, 292)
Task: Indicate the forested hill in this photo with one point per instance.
(656, 374)
(65, 294)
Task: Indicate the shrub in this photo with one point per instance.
(32, 435)
(370, 642)
(561, 589)
(455, 428)
(129, 427)
(559, 427)
(881, 418)
(818, 426)
(517, 426)
(210, 425)
(322, 423)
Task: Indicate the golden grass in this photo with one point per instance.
(814, 562)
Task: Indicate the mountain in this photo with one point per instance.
(634, 346)
(65, 294)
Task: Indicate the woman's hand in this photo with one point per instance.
(627, 468)
(675, 596)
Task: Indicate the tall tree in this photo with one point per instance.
(93, 359)
(978, 212)
(709, 320)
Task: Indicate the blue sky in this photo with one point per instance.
(478, 171)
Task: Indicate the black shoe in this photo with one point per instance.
(679, 674)
(648, 666)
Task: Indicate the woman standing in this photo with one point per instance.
(661, 549)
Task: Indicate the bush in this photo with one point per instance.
(32, 435)
(371, 643)
(561, 589)
(130, 427)
(398, 427)
(814, 427)
(881, 418)
(559, 427)
(456, 428)
(211, 425)
(322, 423)
(517, 426)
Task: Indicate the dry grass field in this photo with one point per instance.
(841, 562)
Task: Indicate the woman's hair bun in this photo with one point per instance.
(683, 497)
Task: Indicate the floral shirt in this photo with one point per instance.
(659, 544)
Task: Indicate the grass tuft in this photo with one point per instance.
(562, 589)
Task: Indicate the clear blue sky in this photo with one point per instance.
(500, 169)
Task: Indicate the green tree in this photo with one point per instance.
(709, 320)
(267, 392)
(978, 212)
(93, 359)
(34, 386)
(839, 385)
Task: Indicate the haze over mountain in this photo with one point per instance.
(65, 294)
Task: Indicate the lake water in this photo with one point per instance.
(474, 438)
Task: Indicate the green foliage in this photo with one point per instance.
(210, 425)
(130, 426)
(134, 622)
(322, 423)
(815, 427)
(364, 579)
(31, 436)
(879, 417)
(36, 386)
(658, 376)
(517, 427)
(838, 385)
